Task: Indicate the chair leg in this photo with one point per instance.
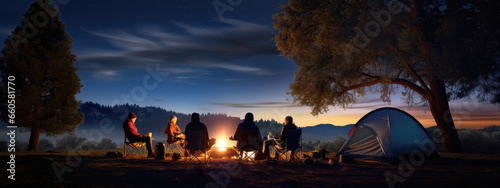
(124, 150)
(173, 148)
(129, 149)
(193, 156)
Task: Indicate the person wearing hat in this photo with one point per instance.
(133, 135)
(174, 132)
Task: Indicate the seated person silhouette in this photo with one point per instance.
(173, 132)
(279, 142)
(242, 135)
(133, 135)
(196, 125)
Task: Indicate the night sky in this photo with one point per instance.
(201, 62)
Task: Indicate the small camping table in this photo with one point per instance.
(272, 152)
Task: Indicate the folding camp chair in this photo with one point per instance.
(247, 145)
(174, 147)
(134, 148)
(293, 143)
(195, 146)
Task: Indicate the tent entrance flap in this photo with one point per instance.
(363, 143)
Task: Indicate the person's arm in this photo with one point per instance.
(206, 138)
(259, 137)
(236, 137)
(282, 132)
(173, 130)
(133, 130)
(177, 130)
(166, 130)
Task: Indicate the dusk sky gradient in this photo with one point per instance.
(201, 63)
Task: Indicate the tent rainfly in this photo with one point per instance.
(385, 134)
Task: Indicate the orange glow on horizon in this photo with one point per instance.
(473, 119)
(465, 114)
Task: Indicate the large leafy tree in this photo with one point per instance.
(436, 50)
(38, 55)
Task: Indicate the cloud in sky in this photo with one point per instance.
(109, 75)
(195, 49)
(362, 104)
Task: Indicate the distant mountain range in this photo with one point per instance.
(325, 132)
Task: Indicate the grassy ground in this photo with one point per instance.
(93, 169)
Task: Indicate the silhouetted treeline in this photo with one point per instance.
(69, 142)
(109, 119)
(330, 146)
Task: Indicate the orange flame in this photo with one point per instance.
(221, 144)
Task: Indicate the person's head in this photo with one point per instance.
(173, 119)
(132, 117)
(249, 117)
(195, 117)
(288, 120)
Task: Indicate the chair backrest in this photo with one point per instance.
(195, 140)
(293, 139)
(248, 140)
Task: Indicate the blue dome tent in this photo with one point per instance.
(385, 134)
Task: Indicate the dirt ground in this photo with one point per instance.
(93, 169)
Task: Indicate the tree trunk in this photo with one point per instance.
(438, 100)
(34, 137)
(442, 115)
(35, 131)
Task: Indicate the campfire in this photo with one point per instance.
(222, 150)
(221, 145)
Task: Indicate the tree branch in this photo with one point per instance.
(415, 75)
(378, 81)
(397, 81)
(403, 24)
(410, 85)
(367, 59)
(412, 11)
(421, 71)
(415, 7)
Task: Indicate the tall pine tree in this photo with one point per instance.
(38, 55)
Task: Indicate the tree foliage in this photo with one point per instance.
(438, 50)
(38, 54)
